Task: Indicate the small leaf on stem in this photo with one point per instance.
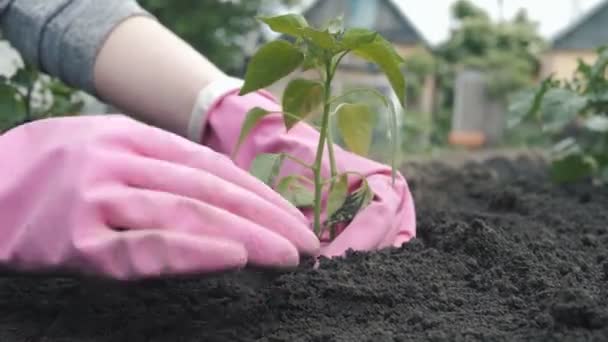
(381, 52)
(270, 63)
(251, 119)
(351, 206)
(337, 194)
(322, 39)
(356, 37)
(300, 98)
(267, 166)
(289, 23)
(355, 122)
(292, 189)
(313, 57)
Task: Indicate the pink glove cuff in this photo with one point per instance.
(207, 98)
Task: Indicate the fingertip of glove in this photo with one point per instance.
(284, 257)
(311, 245)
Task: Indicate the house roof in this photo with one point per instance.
(587, 32)
(404, 33)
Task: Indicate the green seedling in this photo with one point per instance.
(321, 49)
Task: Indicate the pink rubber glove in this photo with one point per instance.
(389, 220)
(112, 197)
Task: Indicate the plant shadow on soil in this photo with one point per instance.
(501, 255)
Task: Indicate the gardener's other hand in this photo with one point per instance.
(112, 197)
(388, 221)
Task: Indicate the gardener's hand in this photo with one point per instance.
(112, 197)
(388, 221)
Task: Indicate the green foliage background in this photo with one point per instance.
(572, 115)
(508, 51)
(29, 95)
(217, 28)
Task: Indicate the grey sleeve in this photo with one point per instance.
(63, 37)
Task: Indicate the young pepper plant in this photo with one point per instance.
(321, 49)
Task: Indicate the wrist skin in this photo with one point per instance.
(157, 81)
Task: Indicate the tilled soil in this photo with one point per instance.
(501, 255)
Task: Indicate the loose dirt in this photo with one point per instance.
(501, 255)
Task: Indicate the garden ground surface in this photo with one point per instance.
(501, 254)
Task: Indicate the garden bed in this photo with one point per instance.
(501, 254)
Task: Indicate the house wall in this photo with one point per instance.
(563, 63)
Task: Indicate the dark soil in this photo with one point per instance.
(501, 255)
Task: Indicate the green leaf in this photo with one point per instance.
(355, 123)
(366, 194)
(356, 37)
(597, 73)
(337, 195)
(353, 203)
(527, 104)
(300, 98)
(289, 23)
(369, 91)
(295, 192)
(63, 101)
(381, 52)
(313, 58)
(394, 131)
(270, 63)
(11, 103)
(251, 119)
(64, 106)
(24, 77)
(267, 166)
(59, 88)
(560, 107)
(520, 106)
(583, 68)
(571, 167)
(323, 39)
(597, 123)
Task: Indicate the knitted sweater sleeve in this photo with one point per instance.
(63, 37)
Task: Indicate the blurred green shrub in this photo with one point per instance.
(418, 66)
(507, 51)
(574, 115)
(29, 95)
(217, 28)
